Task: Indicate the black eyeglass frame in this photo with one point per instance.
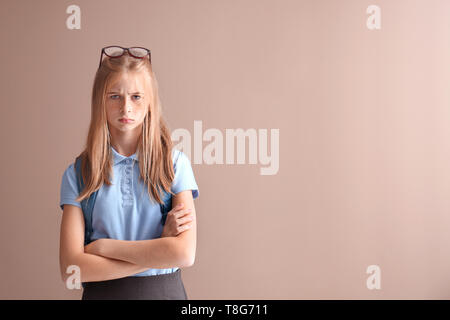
(149, 54)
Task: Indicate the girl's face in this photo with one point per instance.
(125, 99)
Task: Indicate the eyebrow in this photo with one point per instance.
(128, 93)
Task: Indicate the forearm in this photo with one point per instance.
(97, 268)
(159, 253)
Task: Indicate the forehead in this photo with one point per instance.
(128, 82)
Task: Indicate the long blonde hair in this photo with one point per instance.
(154, 146)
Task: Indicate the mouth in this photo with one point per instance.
(124, 120)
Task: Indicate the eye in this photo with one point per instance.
(138, 96)
(114, 95)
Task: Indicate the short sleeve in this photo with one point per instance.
(69, 188)
(184, 176)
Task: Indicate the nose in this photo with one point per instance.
(126, 106)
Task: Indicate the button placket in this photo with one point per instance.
(127, 179)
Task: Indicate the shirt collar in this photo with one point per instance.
(119, 158)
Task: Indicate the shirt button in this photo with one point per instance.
(128, 161)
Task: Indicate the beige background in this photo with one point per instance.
(363, 115)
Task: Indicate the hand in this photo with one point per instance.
(178, 220)
(94, 247)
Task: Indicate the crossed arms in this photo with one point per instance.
(107, 259)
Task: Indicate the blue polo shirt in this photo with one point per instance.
(124, 210)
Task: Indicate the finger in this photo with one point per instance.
(182, 213)
(184, 227)
(186, 219)
(177, 207)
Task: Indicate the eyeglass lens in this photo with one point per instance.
(117, 51)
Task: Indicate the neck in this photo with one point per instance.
(124, 143)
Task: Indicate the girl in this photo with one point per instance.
(129, 159)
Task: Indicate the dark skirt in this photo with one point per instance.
(158, 287)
